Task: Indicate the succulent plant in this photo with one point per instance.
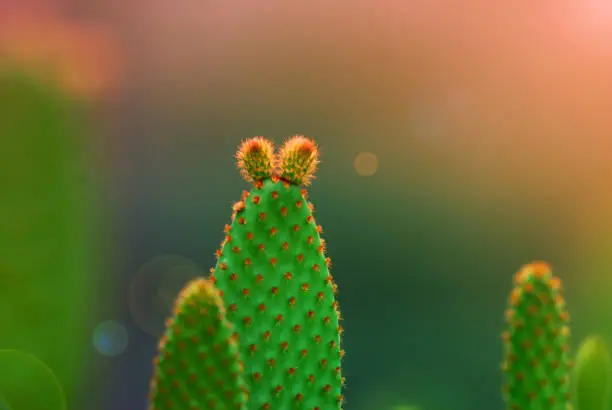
(537, 358)
(274, 295)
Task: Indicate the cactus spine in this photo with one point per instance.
(273, 278)
(536, 342)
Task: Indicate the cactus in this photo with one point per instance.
(591, 377)
(46, 246)
(537, 359)
(199, 362)
(273, 278)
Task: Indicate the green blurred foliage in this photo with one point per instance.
(592, 372)
(26, 383)
(47, 240)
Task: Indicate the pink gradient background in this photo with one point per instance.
(509, 99)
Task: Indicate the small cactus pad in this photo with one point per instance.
(255, 159)
(279, 294)
(198, 366)
(536, 342)
(298, 160)
(592, 371)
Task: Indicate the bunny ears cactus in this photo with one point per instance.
(296, 161)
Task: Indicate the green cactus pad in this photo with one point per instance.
(198, 365)
(536, 342)
(275, 282)
(591, 376)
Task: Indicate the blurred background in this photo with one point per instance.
(459, 139)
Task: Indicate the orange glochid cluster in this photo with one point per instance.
(298, 159)
(255, 158)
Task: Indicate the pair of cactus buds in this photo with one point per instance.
(295, 162)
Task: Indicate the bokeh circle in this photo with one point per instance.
(26, 382)
(110, 338)
(366, 164)
(155, 287)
